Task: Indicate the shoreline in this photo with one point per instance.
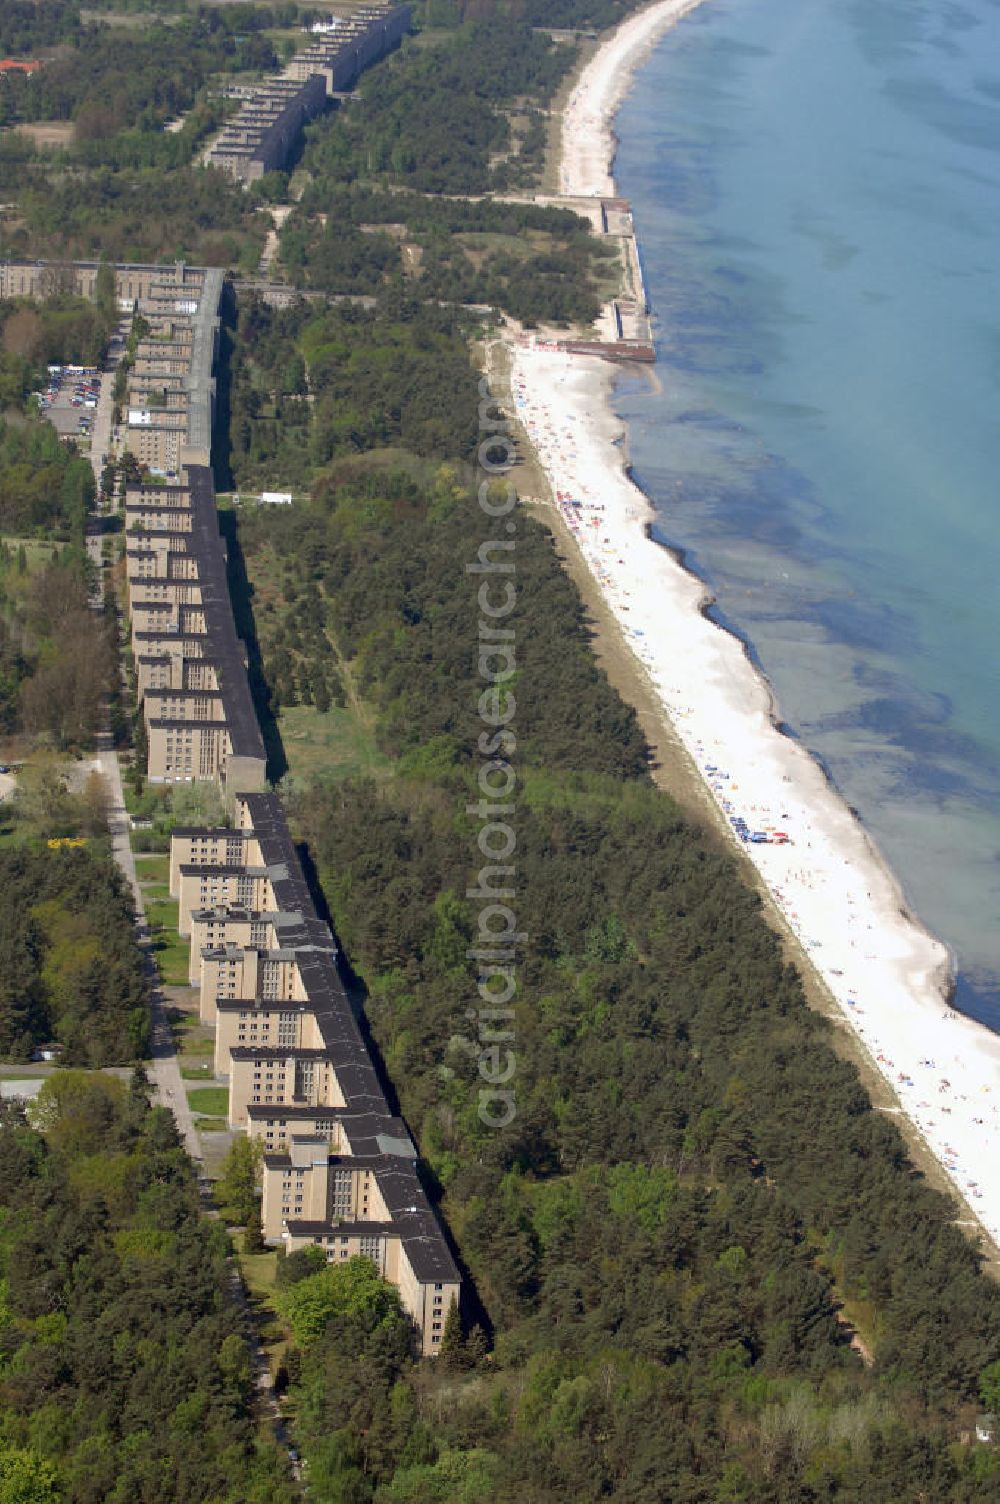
(948, 975)
(588, 140)
(781, 728)
(887, 979)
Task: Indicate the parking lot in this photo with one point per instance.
(70, 400)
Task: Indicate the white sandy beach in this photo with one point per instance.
(587, 134)
(886, 973)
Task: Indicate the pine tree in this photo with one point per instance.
(476, 1347)
(452, 1353)
(253, 1237)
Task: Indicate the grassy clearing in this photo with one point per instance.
(202, 1072)
(154, 867)
(198, 1043)
(337, 744)
(258, 1271)
(210, 1101)
(195, 1040)
(187, 1034)
(171, 952)
(37, 551)
(216, 1141)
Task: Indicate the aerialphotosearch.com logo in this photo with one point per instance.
(497, 933)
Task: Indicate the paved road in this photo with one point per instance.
(163, 1069)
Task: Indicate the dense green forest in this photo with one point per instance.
(55, 655)
(199, 216)
(46, 487)
(26, 28)
(438, 120)
(61, 327)
(125, 1376)
(55, 652)
(537, 264)
(70, 969)
(669, 1266)
(121, 183)
(111, 79)
(309, 384)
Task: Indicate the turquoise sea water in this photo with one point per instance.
(816, 188)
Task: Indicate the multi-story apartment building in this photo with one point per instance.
(136, 286)
(200, 719)
(249, 1023)
(256, 978)
(219, 846)
(345, 1129)
(339, 1170)
(263, 135)
(205, 886)
(374, 1207)
(340, 56)
(282, 1076)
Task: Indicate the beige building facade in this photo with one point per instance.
(280, 1077)
(245, 1023)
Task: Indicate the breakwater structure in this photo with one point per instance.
(340, 1169)
(263, 135)
(624, 329)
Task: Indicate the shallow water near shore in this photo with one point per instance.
(817, 195)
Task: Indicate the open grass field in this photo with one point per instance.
(153, 867)
(258, 1271)
(170, 951)
(198, 1072)
(337, 744)
(48, 132)
(209, 1101)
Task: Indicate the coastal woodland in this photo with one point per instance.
(125, 1373)
(70, 971)
(676, 1292)
(87, 165)
(700, 1267)
(309, 384)
(56, 657)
